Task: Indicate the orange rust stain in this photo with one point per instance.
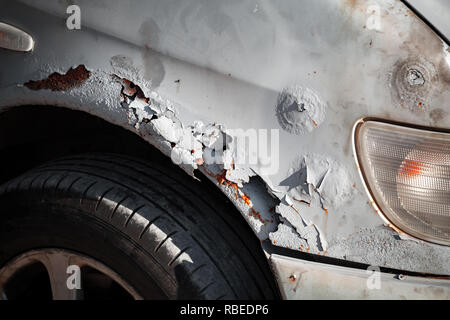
(303, 201)
(246, 199)
(351, 4)
(411, 168)
(373, 204)
(130, 89)
(61, 82)
(325, 210)
(221, 178)
(315, 123)
(256, 214)
(295, 209)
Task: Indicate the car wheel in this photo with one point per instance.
(131, 228)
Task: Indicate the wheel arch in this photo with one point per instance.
(34, 133)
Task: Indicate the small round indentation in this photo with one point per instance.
(413, 83)
(299, 110)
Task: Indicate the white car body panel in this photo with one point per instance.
(437, 12)
(227, 62)
(302, 280)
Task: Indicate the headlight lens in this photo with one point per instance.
(407, 174)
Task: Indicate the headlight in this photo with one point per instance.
(407, 175)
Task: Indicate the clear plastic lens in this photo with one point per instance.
(407, 172)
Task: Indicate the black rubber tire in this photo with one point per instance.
(158, 228)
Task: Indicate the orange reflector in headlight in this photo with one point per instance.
(407, 174)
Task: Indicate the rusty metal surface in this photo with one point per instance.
(308, 69)
(61, 82)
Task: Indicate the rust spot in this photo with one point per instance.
(130, 89)
(294, 209)
(246, 199)
(303, 201)
(257, 215)
(221, 179)
(61, 82)
(292, 278)
(351, 3)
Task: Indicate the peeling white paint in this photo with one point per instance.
(287, 237)
(304, 228)
(320, 181)
(197, 146)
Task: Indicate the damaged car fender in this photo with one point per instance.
(193, 79)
